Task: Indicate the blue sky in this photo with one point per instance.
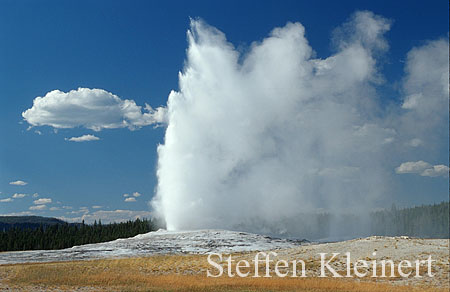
(134, 50)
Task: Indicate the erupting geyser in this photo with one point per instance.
(253, 141)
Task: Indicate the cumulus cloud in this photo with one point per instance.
(42, 201)
(126, 195)
(83, 138)
(436, 170)
(97, 207)
(35, 195)
(18, 196)
(18, 183)
(38, 207)
(136, 194)
(412, 167)
(94, 109)
(7, 200)
(423, 168)
(130, 199)
(265, 136)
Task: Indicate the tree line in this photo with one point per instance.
(426, 221)
(59, 236)
(429, 221)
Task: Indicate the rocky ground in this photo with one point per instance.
(385, 248)
(242, 246)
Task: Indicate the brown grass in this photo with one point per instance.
(167, 273)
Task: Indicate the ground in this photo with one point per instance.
(187, 272)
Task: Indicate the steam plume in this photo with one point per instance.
(254, 140)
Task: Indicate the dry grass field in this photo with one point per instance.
(168, 273)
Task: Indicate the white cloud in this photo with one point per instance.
(35, 195)
(18, 196)
(423, 168)
(67, 207)
(436, 170)
(18, 183)
(22, 213)
(7, 200)
(54, 209)
(94, 109)
(96, 207)
(131, 199)
(81, 210)
(416, 142)
(84, 210)
(38, 207)
(42, 201)
(110, 216)
(83, 138)
(126, 195)
(136, 194)
(412, 167)
(38, 132)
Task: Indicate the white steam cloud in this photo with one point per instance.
(263, 137)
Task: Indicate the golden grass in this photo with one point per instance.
(168, 273)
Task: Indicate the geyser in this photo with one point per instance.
(257, 141)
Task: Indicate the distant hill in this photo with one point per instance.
(24, 222)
